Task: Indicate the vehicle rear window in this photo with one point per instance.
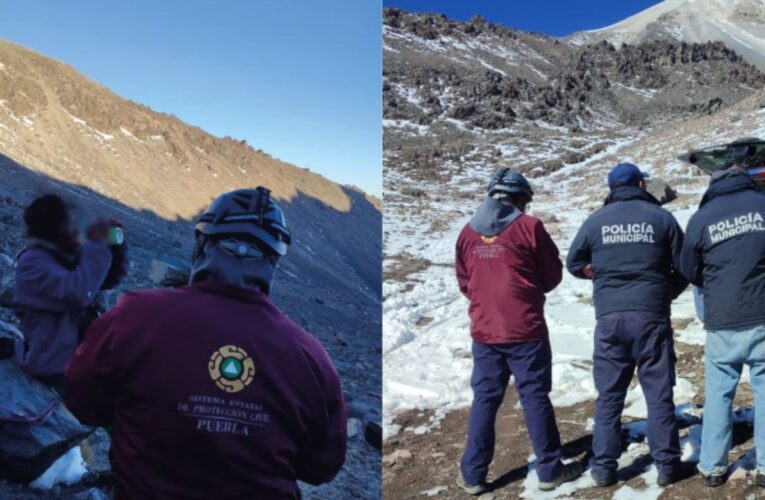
(750, 156)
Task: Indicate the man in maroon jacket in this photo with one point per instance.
(210, 391)
(506, 262)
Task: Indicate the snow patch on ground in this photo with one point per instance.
(435, 491)
(652, 492)
(93, 132)
(68, 469)
(78, 121)
(646, 94)
(407, 125)
(636, 450)
(408, 94)
(103, 136)
(127, 133)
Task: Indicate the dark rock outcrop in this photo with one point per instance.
(35, 429)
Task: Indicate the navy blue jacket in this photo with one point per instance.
(634, 248)
(725, 252)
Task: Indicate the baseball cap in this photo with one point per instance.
(626, 174)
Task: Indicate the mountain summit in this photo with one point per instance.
(740, 24)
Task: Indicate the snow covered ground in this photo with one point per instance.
(428, 367)
(426, 363)
(426, 341)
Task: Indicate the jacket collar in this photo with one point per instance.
(726, 182)
(232, 291)
(68, 260)
(627, 193)
(493, 216)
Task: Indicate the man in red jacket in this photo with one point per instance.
(506, 263)
(210, 391)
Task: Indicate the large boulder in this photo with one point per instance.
(661, 190)
(168, 275)
(35, 428)
(95, 452)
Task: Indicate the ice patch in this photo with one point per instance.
(68, 469)
(652, 492)
(435, 491)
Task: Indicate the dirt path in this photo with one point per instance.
(421, 465)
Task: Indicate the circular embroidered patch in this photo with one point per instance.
(231, 368)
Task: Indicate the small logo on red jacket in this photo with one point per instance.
(231, 368)
(488, 239)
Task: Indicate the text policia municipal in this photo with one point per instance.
(637, 232)
(728, 228)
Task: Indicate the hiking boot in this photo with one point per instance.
(568, 472)
(666, 478)
(678, 472)
(604, 479)
(715, 480)
(472, 489)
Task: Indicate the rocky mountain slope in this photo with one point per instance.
(455, 91)
(62, 132)
(437, 168)
(740, 24)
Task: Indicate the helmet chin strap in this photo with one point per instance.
(211, 262)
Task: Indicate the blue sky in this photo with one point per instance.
(556, 17)
(299, 79)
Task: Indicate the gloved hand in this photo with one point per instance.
(98, 232)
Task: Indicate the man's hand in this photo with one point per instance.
(587, 271)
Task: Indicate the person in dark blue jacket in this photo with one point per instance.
(724, 254)
(630, 248)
